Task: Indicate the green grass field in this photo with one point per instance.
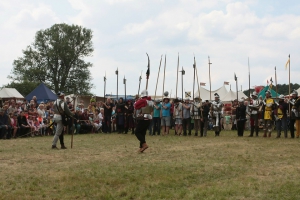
(108, 166)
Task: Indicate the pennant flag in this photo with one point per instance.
(287, 63)
(188, 94)
(202, 84)
(226, 83)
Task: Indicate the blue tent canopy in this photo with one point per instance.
(42, 93)
(262, 93)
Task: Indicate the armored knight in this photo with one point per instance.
(216, 112)
(292, 101)
(268, 107)
(254, 112)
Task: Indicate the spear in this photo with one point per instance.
(124, 82)
(276, 82)
(117, 73)
(237, 94)
(194, 66)
(140, 79)
(148, 72)
(164, 75)
(177, 75)
(158, 76)
(249, 79)
(104, 85)
(209, 63)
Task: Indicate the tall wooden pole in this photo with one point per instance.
(209, 63)
(124, 82)
(177, 75)
(249, 80)
(194, 66)
(289, 80)
(276, 83)
(164, 75)
(182, 72)
(158, 77)
(117, 73)
(104, 86)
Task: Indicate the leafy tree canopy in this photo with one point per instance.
(56, 58)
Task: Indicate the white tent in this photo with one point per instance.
(7, 93)
(231, 95)
(206, 95)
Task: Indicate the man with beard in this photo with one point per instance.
(281, 117)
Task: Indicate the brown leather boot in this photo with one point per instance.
(144, 147)
(63, 147)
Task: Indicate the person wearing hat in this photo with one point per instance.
(268, 107)
(241, 118)
(254, 107)
(61, 112)
(165, 116)
(178, 116)
(216, 112)
(143, 109)
(186, 117)
(156, 117)
(281, 116)
(292, 119)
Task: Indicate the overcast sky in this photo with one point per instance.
(228, 31)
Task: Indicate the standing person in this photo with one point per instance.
(143, 109)
(268, 107)
(254, 109)
(178, 116)
(216, 110)
(4, 124)
(241, 117)
(233, 114)
(204, 118)
(292, 101)
(156, 117)
(120, 115)
(129, 117)
(227, 121)
(186, 117)
(61, 112)
(281, 116)
(108, 106)
(196, 115)
(296, 111)
(165, 116)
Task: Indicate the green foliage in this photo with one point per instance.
(282, 89)
(56, 58)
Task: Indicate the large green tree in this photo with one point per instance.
(56, 57)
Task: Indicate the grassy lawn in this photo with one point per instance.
(108, 166)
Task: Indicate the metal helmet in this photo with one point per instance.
(281, 96)
(144, 93)
(268, 92)
(295, 92)
(166, 93)
(216, 95)
(254, 94)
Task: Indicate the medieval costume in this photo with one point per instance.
(281, 117)
(241, 118)
(196, 115)
(254, 111)
(292, 101)
(143, 109)
(216, 113)
(268, 107)
(129, 122)
(120, 115)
